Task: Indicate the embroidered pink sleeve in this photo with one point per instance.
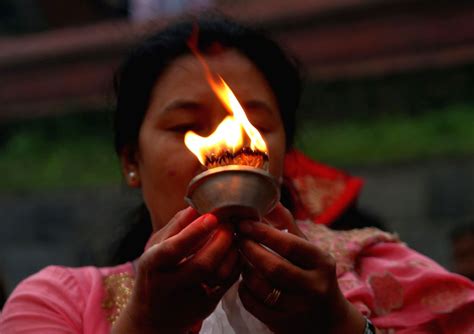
(402, 291)
(405, 292)
(47, 302)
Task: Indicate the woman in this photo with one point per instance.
(195, 274)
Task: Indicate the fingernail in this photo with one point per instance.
(190, 209)
(210, 221)
(246, 227)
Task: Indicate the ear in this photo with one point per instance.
(130, 170)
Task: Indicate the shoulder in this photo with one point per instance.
(56, 297)
(50, 282)
(74, 283)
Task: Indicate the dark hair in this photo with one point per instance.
(138, 74)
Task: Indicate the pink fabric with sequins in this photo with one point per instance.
(399, 289)
(60, 300)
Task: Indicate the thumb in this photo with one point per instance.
(282, 219)
(180, 220)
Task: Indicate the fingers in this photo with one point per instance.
(226, 275)
(180, 220)
(282, 219)
(172, 250)
(289, 246)
(258, 308)
(228, 266)
(206, 261)
(227, 271)
(260, 288)
(281, 273)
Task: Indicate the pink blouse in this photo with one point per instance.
(399, 289)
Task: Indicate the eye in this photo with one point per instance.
(261, 119)
(183, 128)
(262, 128)
(263, 124)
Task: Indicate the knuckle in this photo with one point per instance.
(250, 281)
(158, 236)
(274, 270)
(223, 274)
(203, 267)
(167, 249)
(287, 212)
(176, 218)
(180, 214)
(143, 265)
(329, 264)
(290, 249)
(202, 229)
(287, 217)
(321, 285)
(316, 291)
(322, 288)
(259, 228)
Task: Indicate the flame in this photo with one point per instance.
(230, 133)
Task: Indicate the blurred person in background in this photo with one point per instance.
(462, 241)
(303, 270)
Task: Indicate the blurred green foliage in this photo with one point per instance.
(76, 150)
(391, 138)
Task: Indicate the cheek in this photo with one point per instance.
(164, 190)
(166, 167)
(277, 150)
(172, 169)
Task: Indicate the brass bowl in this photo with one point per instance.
(234, 191)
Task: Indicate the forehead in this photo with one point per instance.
(186, 76)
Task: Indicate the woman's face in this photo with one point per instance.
(182, 100)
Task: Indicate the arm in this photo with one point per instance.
(406, 291)
(47, 302)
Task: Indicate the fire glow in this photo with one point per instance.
(235, 141)
(237, 183)
(226, 144)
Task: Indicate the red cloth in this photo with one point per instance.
(321, 193)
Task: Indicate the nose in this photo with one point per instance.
(214, 119)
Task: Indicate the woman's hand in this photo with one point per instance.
(171, 291)
(292, 288)
(282, 219)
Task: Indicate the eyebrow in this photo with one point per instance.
(182, 104)
(258, 104)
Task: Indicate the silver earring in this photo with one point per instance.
(132, 175)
